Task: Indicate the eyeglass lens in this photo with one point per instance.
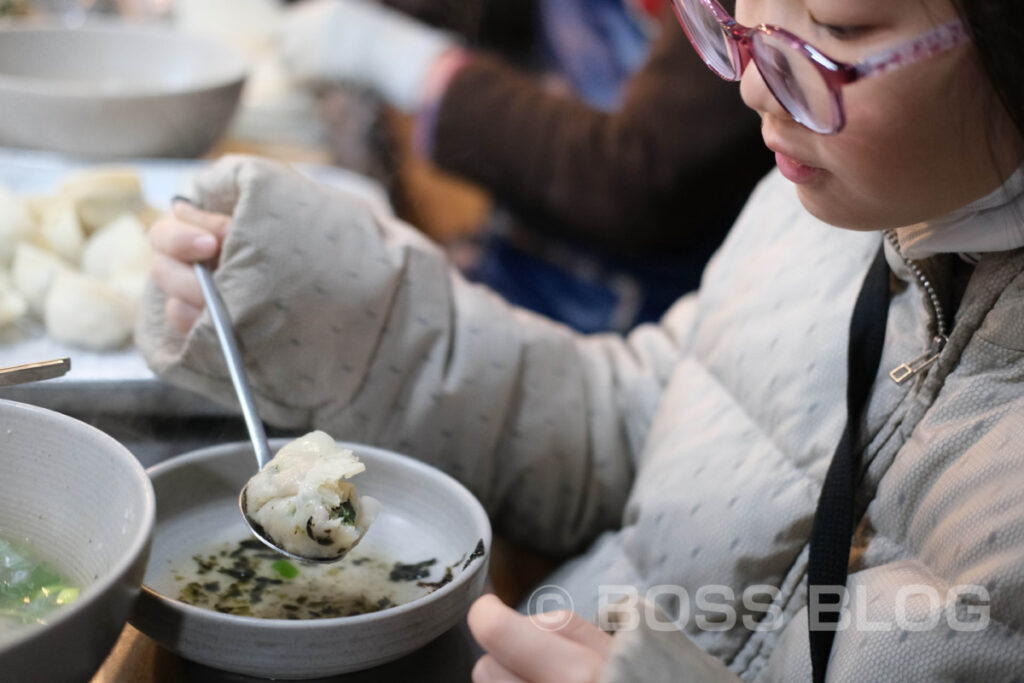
(710, 39)
(790, 75)
(795, 81)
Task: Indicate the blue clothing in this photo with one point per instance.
(587, 290)
(595, 45)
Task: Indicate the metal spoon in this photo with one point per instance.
(222, 323)
(33, 372)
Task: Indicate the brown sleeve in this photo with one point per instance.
(675, 162)
(491, 22)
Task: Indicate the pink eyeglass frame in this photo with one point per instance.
(835, 73)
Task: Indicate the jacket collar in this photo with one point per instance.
(993, 223)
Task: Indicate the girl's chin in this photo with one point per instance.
(833, 210)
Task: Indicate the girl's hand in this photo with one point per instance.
(186, 236)
(554, 647)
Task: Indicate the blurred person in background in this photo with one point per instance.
(616, 160)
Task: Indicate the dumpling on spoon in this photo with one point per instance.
(303, 503)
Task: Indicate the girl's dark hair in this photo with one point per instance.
(997, 29)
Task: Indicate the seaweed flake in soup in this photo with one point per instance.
(249, 579)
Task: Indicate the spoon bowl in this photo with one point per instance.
(263, 536)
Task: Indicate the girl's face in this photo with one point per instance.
(919, 142)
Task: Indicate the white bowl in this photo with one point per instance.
(113, 90)
(425, 514)
(84, 505)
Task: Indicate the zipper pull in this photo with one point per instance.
(905, 371)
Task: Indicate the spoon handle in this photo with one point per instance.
(222, 323)
(33, 372)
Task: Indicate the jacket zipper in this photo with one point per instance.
(905, 371)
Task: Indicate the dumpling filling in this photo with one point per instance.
(303, 504)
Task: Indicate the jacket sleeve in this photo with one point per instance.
(644, 650)
(352, 322)
(683, 152)
(904, 623)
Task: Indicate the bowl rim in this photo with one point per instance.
(139, 544)
(237, 69)
(479, 516)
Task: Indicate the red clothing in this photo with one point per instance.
(651, 8)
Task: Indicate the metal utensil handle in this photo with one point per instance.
(34, 372)
(222, 323)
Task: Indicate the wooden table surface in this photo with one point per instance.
(137, 659)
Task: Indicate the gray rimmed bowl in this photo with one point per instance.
(112, 90)
(425, 514)
(81, 502)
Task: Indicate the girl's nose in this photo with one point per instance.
(756, 95)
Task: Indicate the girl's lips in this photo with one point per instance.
(794, 171)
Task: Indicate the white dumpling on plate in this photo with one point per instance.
(102, 194)
(87, 312)
(16, 224)
(118, 246)
(60, 231)
(130, 286)
(12, 304)
(33, 271)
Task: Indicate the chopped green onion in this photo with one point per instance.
(285, 569)
(345, 512)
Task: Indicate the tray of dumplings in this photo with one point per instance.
(74, 259)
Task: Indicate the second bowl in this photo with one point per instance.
(112, 91)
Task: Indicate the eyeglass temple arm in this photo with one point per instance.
(936, 41)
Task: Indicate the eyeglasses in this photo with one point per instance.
(806, 82)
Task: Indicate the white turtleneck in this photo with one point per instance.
(994, 222)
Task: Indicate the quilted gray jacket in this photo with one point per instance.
(684, 460)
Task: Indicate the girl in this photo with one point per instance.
(684, 464)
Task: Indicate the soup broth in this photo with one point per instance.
(249, 579)
(30, 591)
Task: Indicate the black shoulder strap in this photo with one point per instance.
(833, 520)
